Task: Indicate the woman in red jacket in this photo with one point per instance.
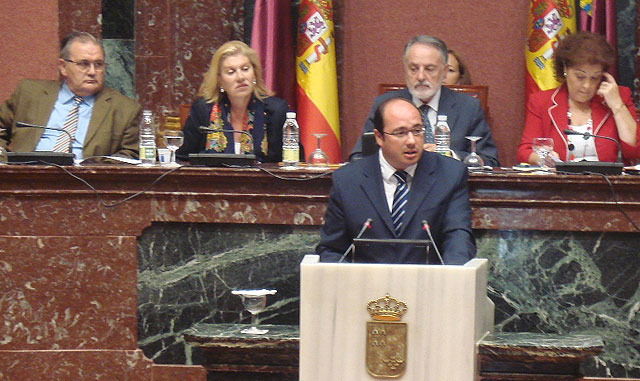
(589, 100)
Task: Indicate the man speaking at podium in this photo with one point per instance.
(99, 120)
(402, 193)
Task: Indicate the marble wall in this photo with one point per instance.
(547, 282)
(174, 44)
(569, 282)
(627, 12)
(187, 272)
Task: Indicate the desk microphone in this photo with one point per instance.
(587, 135)
(206, 130)
(29, 125)
(425, 227)
(366, 225)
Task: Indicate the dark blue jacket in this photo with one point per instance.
(438, 194)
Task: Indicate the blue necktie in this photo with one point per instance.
(400, 198)
(428, 131)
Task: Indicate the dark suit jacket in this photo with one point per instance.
(438, 194)
(465, 118)
(113, 128)
(272, 120)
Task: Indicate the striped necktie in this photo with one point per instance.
(70, 125)
(428, 131)
(400, 198)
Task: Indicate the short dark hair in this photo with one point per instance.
(465, 75)
(378, 115)
(66, 42)
(582, 48)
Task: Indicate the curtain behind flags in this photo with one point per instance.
(272, 38)
(317, 90)
(549, 22)
(599, 16)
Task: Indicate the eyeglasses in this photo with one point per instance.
(403, 134)
(86, 65)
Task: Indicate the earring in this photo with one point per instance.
(254, 82)
(565, 73)
(221, 90)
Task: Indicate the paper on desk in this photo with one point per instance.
(254, 292)
(126, 160)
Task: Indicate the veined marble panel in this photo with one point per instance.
(540, 282)
(569, 282)
(187, 271)
(119, 56)
(626, 26)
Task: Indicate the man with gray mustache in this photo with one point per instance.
(425, 63)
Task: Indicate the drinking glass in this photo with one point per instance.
(173, 140)
(473, 160)
(254, 301)
(318, 158)
(542, 147)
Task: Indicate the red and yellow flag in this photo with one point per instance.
(549, 22)
(317, 88)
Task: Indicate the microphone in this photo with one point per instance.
(29, 125)
(425, 227)
(587, 135)
(47, 157)
(366, 225)
(206, 130)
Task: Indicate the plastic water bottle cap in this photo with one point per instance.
(442, 117)
(291, 115)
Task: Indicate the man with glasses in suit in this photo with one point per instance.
(406, 193)
(99, 121)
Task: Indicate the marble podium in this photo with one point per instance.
(564, 258)
(447, 314)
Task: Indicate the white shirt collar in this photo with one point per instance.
(388, 170)
(433, 103)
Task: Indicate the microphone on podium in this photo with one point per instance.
(366, 225)
(587, 135)
(425, 227)
(223, 159)
(29, 125)
(206, 130)
(47, 157)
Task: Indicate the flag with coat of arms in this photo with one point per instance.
(317, 84)
(549, 22)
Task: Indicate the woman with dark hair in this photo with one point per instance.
(588, 100)
(233, 96)
(457, 72)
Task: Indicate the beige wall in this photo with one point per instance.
(490, 35)
(29, 35)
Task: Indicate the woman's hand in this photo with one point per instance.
(625, 123)
(609, 91)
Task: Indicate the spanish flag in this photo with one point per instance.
(549, 22)
(317, 84)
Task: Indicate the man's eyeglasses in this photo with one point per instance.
(403, 134)
(86, 65)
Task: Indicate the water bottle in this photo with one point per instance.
(147, 147)
(290, 141)
(442, 136)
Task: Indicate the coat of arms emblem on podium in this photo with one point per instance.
(386, 338)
